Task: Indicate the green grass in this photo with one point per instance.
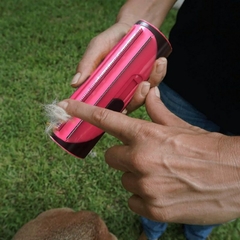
(41, 44)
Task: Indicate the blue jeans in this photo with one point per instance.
(187, 112)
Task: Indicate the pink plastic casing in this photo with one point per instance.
(112, 84)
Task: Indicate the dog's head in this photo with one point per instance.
(64, 223)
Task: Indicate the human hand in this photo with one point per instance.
(176, 172)
(97, 50)
(95, 54)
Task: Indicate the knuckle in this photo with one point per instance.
(72, 109)
(155, 80)
(145, 187)
(100, 115)
(97, 41)
(94, 41)
(132, 204)
(137, 156)
(145, 131)
(158, 214)
(136, 160)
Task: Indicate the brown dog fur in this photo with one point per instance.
(65, 224)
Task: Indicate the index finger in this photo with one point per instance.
(117, 124)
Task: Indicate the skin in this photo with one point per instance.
(154, 11)
(175, 171)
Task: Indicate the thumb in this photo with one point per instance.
(98, 48)
(158, 112)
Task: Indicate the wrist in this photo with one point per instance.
(229, 149)
(123, 27)
(153, 11)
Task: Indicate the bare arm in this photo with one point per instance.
(153, 11)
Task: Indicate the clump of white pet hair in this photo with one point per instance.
(56, 116)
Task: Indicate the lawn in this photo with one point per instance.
(41, 44)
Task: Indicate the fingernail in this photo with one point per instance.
(63, 104)
(76, 78)
(160, 65)
(145, 88)
(157, 92)
(124, 111)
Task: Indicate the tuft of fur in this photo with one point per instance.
(56, 116)
(65, 224)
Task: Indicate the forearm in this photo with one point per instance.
(153, 11)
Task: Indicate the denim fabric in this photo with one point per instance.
(152, 229)
(176, 104)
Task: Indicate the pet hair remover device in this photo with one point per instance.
(112, 84)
